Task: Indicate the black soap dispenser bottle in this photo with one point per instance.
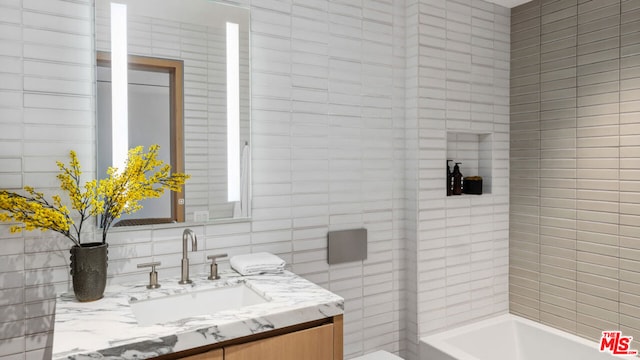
(457, 180)
(449, 179)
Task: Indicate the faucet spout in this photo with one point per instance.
(188, 233)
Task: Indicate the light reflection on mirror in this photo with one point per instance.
(119, 88)
(233, 113)
(216, 125)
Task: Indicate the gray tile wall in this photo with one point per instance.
(574, 237)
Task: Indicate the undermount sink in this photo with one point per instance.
(204, 302)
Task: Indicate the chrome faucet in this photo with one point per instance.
(188, 233)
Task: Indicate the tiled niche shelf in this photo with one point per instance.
(475, 152)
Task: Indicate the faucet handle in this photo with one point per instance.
(153, 275)
(216, 256)
(213, 275)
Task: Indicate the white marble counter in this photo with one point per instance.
(108, 329)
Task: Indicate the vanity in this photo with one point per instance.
(277, 316)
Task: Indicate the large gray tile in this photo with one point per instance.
(600, 88)
(563, 63)
(590, 6)
(558, 317)
(560, 53)
(557, 84)
(606, 271)
(601, 17)
(600, 56)
(566, 23)
(598, 312)
(629, 5)
(608, 34)
(560, 15)
(598, 46)
(570, 32)
(598, 99)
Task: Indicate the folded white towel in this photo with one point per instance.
(257, 263)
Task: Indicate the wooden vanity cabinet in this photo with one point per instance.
(311, 341)
(217, 354)
(311, 344)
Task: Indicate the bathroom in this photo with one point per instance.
(355, 106)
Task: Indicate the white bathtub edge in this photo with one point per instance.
(438, 341)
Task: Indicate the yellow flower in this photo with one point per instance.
(144, 177)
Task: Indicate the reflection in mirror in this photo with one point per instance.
(154, 117)
(195, 33)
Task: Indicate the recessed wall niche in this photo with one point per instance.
(475, 153)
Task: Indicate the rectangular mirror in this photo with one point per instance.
(208, 132)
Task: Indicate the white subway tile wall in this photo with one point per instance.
(574, 238)
(463, 241)
(351, 104)
(328, 144)
(457, 81)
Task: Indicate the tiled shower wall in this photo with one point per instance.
(327, 133)
(457, 82)
(575, 243)
(462, 240)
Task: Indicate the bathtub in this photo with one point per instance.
(510, 337)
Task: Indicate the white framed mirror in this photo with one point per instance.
(211, 40)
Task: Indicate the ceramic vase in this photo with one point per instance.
(89, 270)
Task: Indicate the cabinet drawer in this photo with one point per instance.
(310, 344)
(210, 355)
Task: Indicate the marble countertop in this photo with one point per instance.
(107, 328)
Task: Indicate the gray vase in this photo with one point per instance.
(89, 270)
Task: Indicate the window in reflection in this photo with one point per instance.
(155, 117)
